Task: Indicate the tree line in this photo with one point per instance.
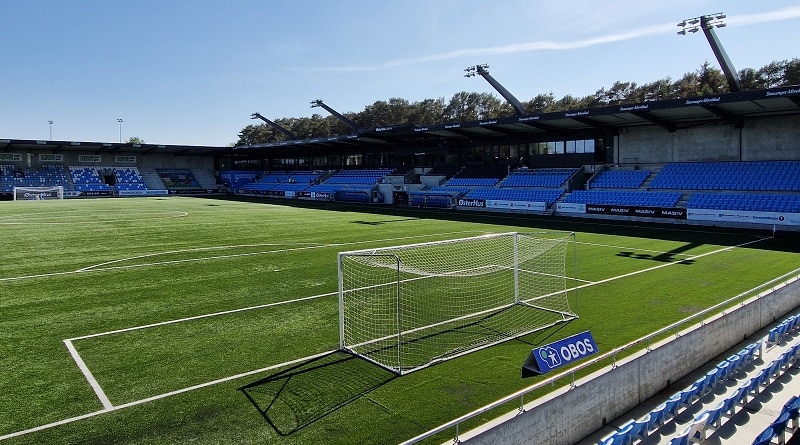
(466, 106)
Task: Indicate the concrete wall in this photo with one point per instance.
(760, 139)
(570, 414)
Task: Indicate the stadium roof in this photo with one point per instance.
(672, 115)
(8, 145)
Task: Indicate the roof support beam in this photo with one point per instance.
(336, 114)
(481, 69)
(285, 132)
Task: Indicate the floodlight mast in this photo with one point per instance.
(707, 23)
(481, 69)
(286, 132)
(336, 114)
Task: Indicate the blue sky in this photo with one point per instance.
(192, 71)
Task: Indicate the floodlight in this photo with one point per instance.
(707, 23)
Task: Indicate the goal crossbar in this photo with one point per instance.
(407, 307)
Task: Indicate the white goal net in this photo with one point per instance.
(38, 193)
(408, 307)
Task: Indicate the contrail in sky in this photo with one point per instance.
(545, 45)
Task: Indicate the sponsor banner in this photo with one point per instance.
(471, 202)
(649, 212)
(516, 205)
(322, 195)
(142, 192)
(738, 216)
(303, 194)
(132, 192)
(40, 195)
(193, 192)
(96, 193)
(560, 353)
(570, 207)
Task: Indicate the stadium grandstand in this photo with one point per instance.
(675, 161)
(724, 160)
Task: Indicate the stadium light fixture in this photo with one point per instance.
(482, 70)
(120, 130)
(51, 129)
(707, 23)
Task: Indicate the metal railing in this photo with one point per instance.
(674, 329)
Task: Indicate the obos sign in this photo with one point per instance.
(554, 355)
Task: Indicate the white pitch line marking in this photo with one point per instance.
(198, 317)
(94, 268)
(112, 408)
(245, 374)
(88, 374)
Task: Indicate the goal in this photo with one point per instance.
(36, 193)
(408, 307)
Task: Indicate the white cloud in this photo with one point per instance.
(547, 45)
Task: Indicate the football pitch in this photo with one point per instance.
(200, 320)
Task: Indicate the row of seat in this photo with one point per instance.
(472, 182)
(712, 418)
(630, 198)
(636, 430)
(544, 177)
(548, 196)
(622, 179)
(786, 422)
(752, 175)
(757, 202)
(777, 334)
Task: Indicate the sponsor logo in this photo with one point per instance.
(528, 119)
(706, 100)
(487, 122)
(421, 129)
(472, 203)
(635, 107)
(551, 356)
(783, 93)
(379, 129)
(452, 126)
(578, 113)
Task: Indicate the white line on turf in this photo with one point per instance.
(95, 268)
(300, 360)
(198, 317)
(159, 396)
(635, 249)
(88, 374)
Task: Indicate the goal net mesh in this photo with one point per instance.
(408, 307)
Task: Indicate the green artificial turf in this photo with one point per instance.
(81, 270)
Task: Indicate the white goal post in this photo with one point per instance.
(408, 307)
(38, 193)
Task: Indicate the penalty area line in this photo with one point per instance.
(112, 408)
(88, 374)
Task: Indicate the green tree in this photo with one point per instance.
(541, 103)
(256, 134)
(135, 140)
